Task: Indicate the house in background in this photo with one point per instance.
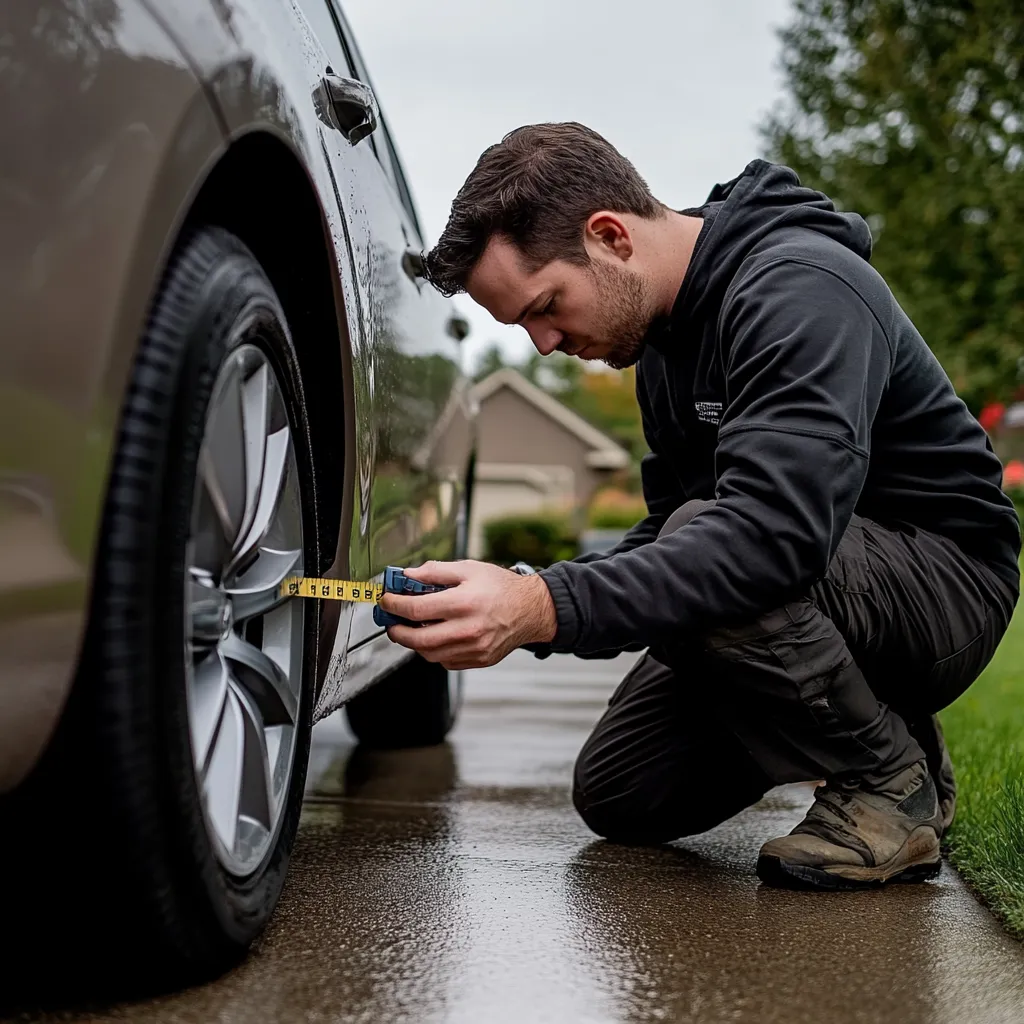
(533, 453)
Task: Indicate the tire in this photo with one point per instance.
(149, 878)
(416, 706)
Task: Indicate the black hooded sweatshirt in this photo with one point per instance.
(791, 386)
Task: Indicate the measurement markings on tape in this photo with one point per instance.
(332, 590)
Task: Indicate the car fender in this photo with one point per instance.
(92, 201)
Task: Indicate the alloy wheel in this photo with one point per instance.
(244, 643)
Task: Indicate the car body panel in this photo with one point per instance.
(112, 129)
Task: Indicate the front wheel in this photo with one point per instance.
(183, 749)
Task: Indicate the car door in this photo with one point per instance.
(411, 398)
(420, 399)
(353, 162)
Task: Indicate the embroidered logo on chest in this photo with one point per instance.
(708, 412)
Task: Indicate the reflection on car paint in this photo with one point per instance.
(95, 94)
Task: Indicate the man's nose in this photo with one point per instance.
(545, 339)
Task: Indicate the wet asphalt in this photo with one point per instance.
(456, 884)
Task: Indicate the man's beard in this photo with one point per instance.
(624, 313)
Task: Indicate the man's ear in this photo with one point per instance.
(607, 231)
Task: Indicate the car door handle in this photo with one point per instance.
(351, 104)
(414, 265)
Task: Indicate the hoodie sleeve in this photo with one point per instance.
(806, 366)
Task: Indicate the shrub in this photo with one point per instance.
(539, 539)
(615, 510)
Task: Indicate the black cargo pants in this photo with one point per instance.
(833, 686)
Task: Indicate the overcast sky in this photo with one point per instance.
(678, 86)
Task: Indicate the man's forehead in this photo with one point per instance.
(501, 283)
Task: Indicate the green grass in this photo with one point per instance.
(985, 733)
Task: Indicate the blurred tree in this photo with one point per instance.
(608, 400)
(911, 112)
(490, 361)
(557, 373)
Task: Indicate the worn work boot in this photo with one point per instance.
(928, 732)
(856, 838)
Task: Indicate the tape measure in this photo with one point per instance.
(332, 590)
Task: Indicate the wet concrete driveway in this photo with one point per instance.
(457, 885)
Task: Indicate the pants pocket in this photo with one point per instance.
(827, 681)
(950, 677)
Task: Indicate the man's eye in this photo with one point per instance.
(549, 308)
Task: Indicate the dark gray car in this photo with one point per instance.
(221, 367)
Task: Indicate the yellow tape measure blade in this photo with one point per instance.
(332, 590)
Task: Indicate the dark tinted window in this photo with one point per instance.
(399, 179)
(322, 21)
(381, 138)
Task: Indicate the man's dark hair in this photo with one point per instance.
(537, 187)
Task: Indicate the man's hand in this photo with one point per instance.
(489, 612)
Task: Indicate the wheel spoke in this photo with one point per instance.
(274, 464)
(222, 782)
(258, 590)
(206, 704)
(255, 422)
(222, 460)
(265, 681)
(255, 798)
(210, 543)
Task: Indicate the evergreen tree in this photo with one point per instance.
(911, 112)
(490, 360)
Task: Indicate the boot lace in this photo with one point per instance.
(828, 817)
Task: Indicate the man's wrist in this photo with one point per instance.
(541, 607)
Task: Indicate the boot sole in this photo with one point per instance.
(782, 874)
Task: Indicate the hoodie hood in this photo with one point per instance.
(763, 199)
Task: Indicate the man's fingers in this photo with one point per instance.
(422, 607)
(404, 635)
(440, 637)
(431, 641)
(458, 658)
(438, 572)
(467, 658)
(445, 644)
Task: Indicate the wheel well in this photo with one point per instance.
(260, 192)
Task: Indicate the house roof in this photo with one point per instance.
(604, 452)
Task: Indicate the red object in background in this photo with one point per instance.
(991, 416)
(1013, 474)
